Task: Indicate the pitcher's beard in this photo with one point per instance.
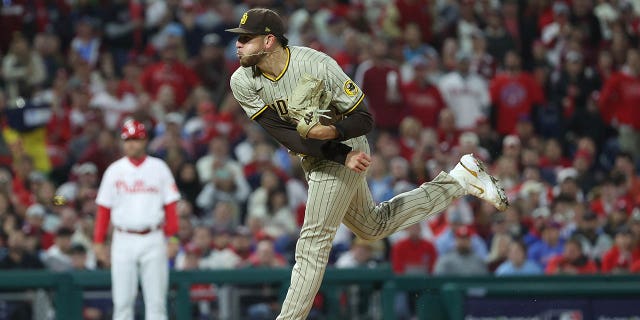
(250, 61)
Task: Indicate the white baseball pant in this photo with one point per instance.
(134, 255)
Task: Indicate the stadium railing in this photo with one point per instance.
(436, 297)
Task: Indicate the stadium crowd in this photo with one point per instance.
(546, 92)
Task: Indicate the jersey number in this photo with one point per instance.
(281, 107)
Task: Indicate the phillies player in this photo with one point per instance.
(139, 195)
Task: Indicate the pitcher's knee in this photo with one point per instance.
(367, 236)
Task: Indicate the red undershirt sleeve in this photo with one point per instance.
(171, 219)
(103, 216)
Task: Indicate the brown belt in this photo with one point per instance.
(140, 232)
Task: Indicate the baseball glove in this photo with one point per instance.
(308, 104)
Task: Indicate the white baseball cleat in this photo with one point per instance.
(472, 174)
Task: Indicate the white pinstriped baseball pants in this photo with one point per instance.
(337, 194)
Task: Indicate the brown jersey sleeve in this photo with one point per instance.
(358, 122)
(286, 134)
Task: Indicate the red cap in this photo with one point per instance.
(463, 232)
(133, 129)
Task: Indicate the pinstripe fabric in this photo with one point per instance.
(337, 194)
(257, 93)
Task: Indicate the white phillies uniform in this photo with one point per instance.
(468, 97)
(136, 196)
(336, 193)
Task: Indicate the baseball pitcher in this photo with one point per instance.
(303, 99)
(138, 194)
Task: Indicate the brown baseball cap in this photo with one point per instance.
(260, 21)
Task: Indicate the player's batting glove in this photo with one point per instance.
(309, 102)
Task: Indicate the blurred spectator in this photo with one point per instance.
(466, 25)
(446, 241)
(18, 257)
(549, 245)
(400, 173)
(242, 244)
(482, 62)
(512, 147)
(359, 256)
(586, 175)
(380, 79)
(414, 47)
(218, 155)
(269, 204)
(414, 254)
(499, 244)
(225, 215)
(380, 181)
(171, 137)
(221, 256)
(83, 175)
(211, 67)
(462, 261)
(573, 86)
(102, 151)
(607, 200)
(224, 185)
(571, 261)
(634, 222)
(487, 137)
(448, 134)
(86, 44)
(595, 242)
(421, 96)
(188, 182)
(513, 93)
(185, 229)
(517, 262)
(266, 256)
(556, 34)
(173, 248)
(258, 203)
(617, 103)
(416, 12)
(33, 226)
(468, 142)
(122, 29)
(625, 166)
(199, 246)
(112, 103)
(624, 253)
(553, 159)
(22, 69)
(499, 41)
(78, 257)
(263, 160)
(58, 256)
(465, 93)
(169, 71)
(409, 137)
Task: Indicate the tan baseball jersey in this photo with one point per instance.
(256, 93)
